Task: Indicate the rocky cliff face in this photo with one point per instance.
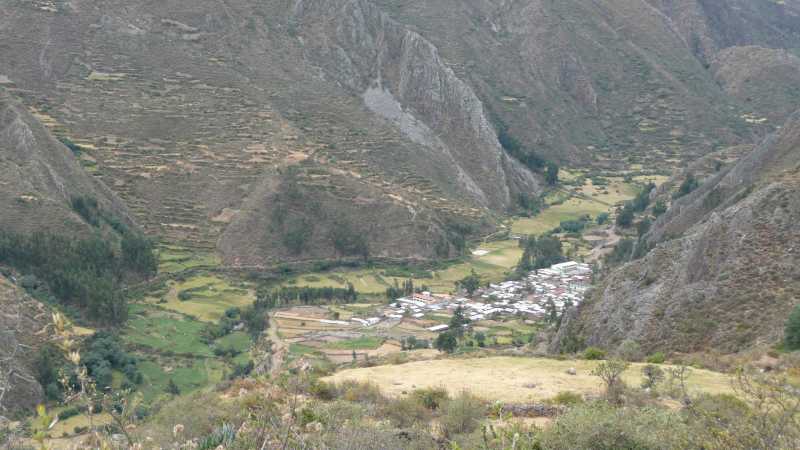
(23, 328)
(724, 272)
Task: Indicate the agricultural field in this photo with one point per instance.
(205, 297)
(173, 259)
(170, 345)
(509, 379)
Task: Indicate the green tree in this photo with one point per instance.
(458, 321)
(173, 388)
(792, 331)
(659, 208)
(446, 342)
(625, 216)
(470, 283)
(602, 218)
(551, 173)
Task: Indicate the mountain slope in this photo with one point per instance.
(724, 272)
(40, 176)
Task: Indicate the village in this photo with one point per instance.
(542, 292)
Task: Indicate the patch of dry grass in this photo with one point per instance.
(508, 379)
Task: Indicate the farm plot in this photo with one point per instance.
(508, 379)
(205, 297)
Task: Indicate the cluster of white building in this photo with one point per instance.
(536, 295)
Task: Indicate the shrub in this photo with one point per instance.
(611, 374)
(68, 412)
(353, 391)
(792, 330)
(594, 353)
(567, 398)
(323, 390)
(656, 358)
(652, 376)
(406, 412)
(431, 398)
(599, 426)
(629, 350)
(462, 414)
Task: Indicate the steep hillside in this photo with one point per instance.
(593, 82)
(749, 46)
(39, 177)
(186, 109)
(23, 328)
(724, 270)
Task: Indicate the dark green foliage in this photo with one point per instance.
(688, 185)
(529, 204)
(288, 295)
(138, 254)
(792, 330)
(539, 253)
(622, 252)
(397, 291)
(480, 338)
(88, 209)
(470, 283)
(103, 353)
(551, 174)
(514, 148)
(458, 321)
(446, 342)
(659, 208)
(297, 234)
(625, 215)
(652, 376)
(73, 147)
(602, 218)
(83, 273)
(656, 358)
(349, 239)
(594, 353)
(172, 388)
(572, 226)
(49, 360)
(413, 343)
(643, 226)
(642, 199)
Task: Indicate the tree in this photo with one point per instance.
(551, 173)
(540, 253)
(610, 372)
(792, 330)
(172, 388)
(446, 342)
(659, 208)
(602, 218)
(480, 338)
(470, 283)
(652, 376)
(625, 216)
(458, 321)
(643, 226)
(688, 185)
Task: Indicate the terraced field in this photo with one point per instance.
(205, 297)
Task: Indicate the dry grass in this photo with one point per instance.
(506, 378)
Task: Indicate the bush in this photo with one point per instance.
(431, 398)
(792, 330)
(68, 412)
(462, 414)
(652, 376)
(629, 350)
(599, 426)
(406, 412)
(323, 390)
(594, 353)
(656, 358)
(566, 398)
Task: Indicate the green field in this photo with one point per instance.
(173, 258)
(165, 332)
(207, 297)
(193, 375)
(359, 343)
(237, 340)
